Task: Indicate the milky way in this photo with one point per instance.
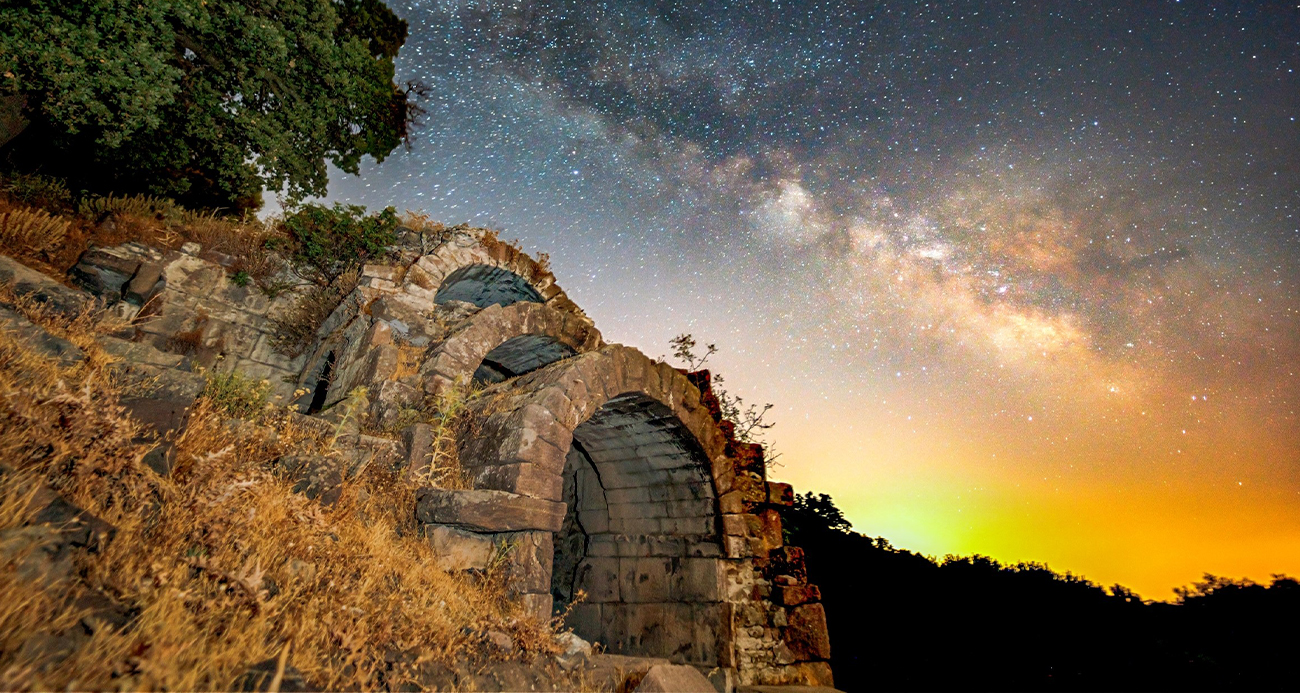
(1020, 277)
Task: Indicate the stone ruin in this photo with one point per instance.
(593, 470)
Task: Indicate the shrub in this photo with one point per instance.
(148, 206)
(38, 191)
(328, 242)
(236, 395)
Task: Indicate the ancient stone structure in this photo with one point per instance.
(609, 482)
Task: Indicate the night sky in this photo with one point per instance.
(1020, 277)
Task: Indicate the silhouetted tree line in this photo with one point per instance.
(901, 621)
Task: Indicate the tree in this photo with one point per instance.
(204, 101)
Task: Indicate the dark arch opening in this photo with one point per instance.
(520, 355)
(640, 537)
(484, 285)
(322, 389)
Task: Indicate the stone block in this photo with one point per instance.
(731, 502)
(780, 494)
(315, 476)
(191, 275)
(418, 443)
(488, 510)
(458, 549)
(528, 562)
(141, 287)
(37, 339)
(806, 635)
(697, 580)
(815, 675)
(734, 525)
(794, 595)
(599, 577)
(674, 678)
(387, 272)
(523, 479)
(645, 580)
(736, 547)
(537, 606)
(388, 401)
(29, 283)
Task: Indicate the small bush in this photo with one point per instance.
(147, 206)
(328, 242)
(236, 395)
(25, 231)
(38, 191)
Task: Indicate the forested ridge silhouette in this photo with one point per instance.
(903, 621)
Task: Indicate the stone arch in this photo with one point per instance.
(508, 341)
(629, 471)
(500, 273)
(612, 473)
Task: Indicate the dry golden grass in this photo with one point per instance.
(29, 231)
(46, 240)
(221, 565)
(295, 330)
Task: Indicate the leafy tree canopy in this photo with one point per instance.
(205, 101)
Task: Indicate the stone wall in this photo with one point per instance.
(592, 469)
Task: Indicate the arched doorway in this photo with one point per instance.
(518, 355)
(485, 285)
(640, 537)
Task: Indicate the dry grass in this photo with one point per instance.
(295, 330)
(29, 231)
(221, 565)
(34, 229)
(145, 206)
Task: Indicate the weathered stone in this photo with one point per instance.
(794, 595)
(28, 283)
(418, 440)
(458, 549)
(674, 678)
(142, 285)
(38, 340)
(780, 494)
(318, 478)
(807, 635)
(528, 562)
(523, 479)
(487, 510)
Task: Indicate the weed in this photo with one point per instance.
(240, 278)
(38, 191)
(236, 395)
(220, 564)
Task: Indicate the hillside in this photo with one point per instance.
(903, 621)
(351, 451)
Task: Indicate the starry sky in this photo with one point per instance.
(1020, 277)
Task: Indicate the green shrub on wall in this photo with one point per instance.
(327, 242)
